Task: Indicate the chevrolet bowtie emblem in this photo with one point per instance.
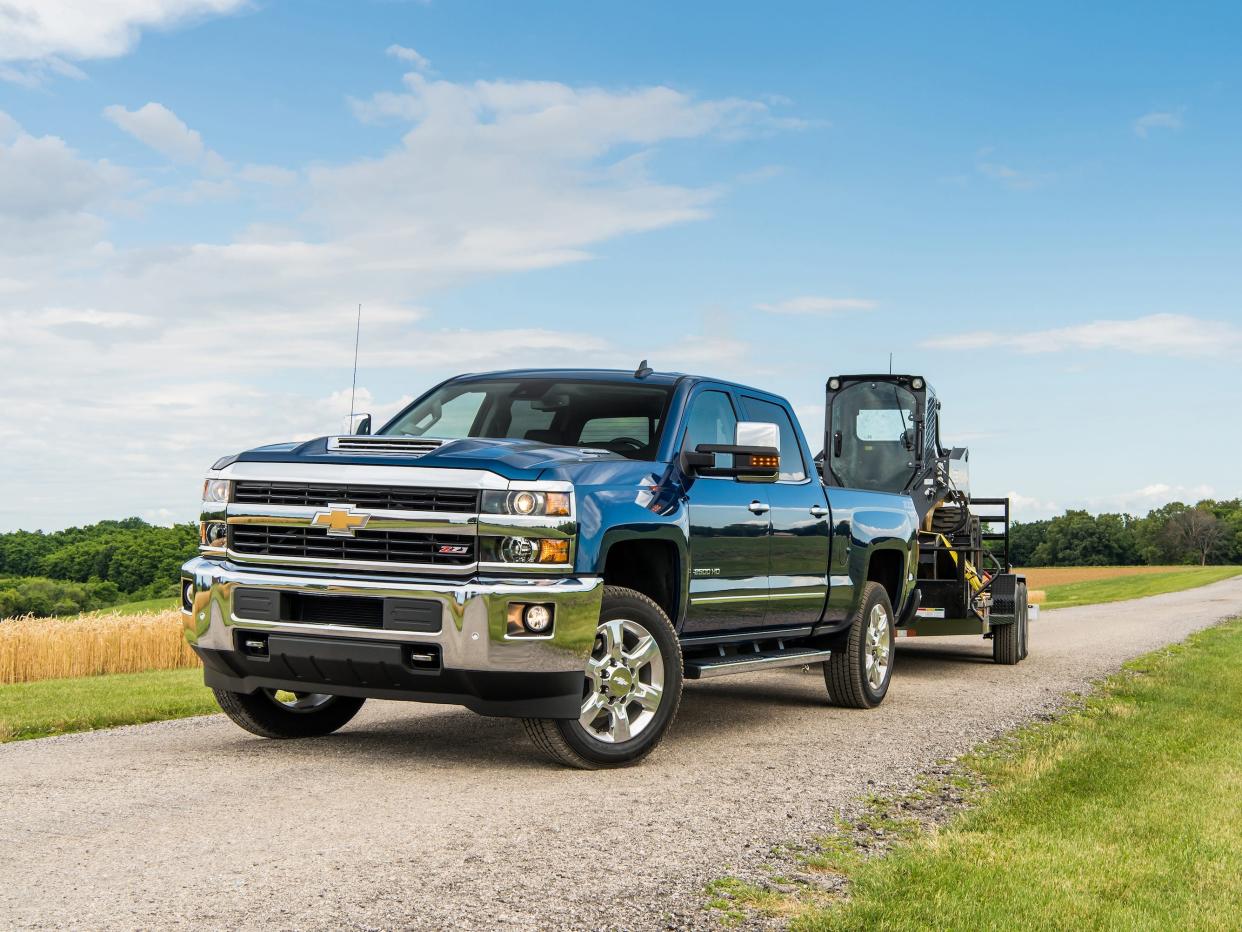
(341, 520)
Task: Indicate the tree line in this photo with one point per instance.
(85, 568)
(1209, 532)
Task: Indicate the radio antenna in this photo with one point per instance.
(890, 358)
(353, 385)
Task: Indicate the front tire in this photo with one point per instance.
(860, 667)
(631, 688)
(271, 713)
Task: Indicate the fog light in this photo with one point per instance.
(537, 618)
(187, 595)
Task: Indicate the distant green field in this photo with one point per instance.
(135, 608)
(54, 707)
(1119, 588)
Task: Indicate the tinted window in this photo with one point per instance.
(711, 420)
(607, 429)
(793, 469)
(618, 416)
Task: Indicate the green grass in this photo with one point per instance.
(1125, 814)
(136, 608)
(1134, 587)
(55, 707)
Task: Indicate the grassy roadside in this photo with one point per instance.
(1124, 813)
(54, 707)
(1120, 588)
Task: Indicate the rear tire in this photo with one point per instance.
(263, 714)
(1008, 640)
(631, 689)
(860, 667)
(1025, 610)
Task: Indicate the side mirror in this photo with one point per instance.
(364, 426)
(756, 454)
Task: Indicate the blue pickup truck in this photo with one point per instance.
(565, 547)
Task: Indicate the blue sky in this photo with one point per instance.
(1036, 208)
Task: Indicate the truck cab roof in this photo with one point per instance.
(609, 375)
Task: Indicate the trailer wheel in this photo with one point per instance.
(860, 667)
(1024, 610)
(630, 693)
(1007, 640)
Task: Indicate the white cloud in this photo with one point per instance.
(405, 54)
(1157, 119)
(156, 126)
(1029, 508)
(139, 346)
(1155, 334)
(809, 304)
(49, 198)
(40, 37)
(1017, 178)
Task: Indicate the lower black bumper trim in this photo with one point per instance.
(379, 670)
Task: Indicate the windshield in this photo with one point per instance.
(620, 417)
(875, 422)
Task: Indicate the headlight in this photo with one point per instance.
(213, 534)
(526, 503)
(216, 490)
(528, 550)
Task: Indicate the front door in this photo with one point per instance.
(729, 542)
(800, 527)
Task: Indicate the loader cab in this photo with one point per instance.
(881, 432)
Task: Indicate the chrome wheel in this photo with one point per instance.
(877, 651)
(624, 682)
(298, 702)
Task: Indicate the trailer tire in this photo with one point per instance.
(852, 682)
(1007, 641)
(575, 744)
(1025, 611)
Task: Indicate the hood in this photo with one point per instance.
(513, 459)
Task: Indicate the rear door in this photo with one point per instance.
(729, 542)
(800, 524)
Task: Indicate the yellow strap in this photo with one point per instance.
(972, 574)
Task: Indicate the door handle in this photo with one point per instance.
(819, 511)
(759, 508)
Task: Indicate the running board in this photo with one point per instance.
(701, 668)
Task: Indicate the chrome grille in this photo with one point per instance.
(312, 543)
(379, 497)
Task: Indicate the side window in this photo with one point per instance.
(711, 420)
(793, 469)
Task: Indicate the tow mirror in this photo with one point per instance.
(364, 426)
(755, 452)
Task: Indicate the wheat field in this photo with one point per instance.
(53, 648)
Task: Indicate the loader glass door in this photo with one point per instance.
(878, 437)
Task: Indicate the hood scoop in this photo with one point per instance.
(383, 445)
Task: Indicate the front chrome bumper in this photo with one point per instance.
(479, 662)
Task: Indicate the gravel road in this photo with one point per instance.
(432, 817)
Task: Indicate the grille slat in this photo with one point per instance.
(370, 546)
(381, 497)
